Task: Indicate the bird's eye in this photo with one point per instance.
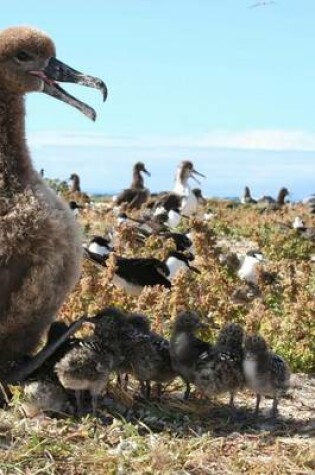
(23, 56)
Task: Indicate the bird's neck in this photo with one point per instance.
(15, 162)
(76, 185)
(137, 180)
(181, 184)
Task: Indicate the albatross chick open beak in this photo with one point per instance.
(56, 72)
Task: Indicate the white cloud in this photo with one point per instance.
(277, 140)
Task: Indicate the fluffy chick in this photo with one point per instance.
(89, 364)
(43, 396)
(266, 373)
(186, 348)
(146, 355)
(221, 371)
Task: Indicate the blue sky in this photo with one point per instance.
(228, 86)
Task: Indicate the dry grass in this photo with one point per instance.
(199, 436)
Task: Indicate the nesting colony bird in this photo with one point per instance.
(180, 261)
(146, 355)
(74, 207)
(75, 183)
(266, 373)
(88, 365)
(221, 371)
(133, 274)
(182, 198)
(137, 194)
(247, 197)
(249, 268)
(300, 226)
(75, 189)
(40, 241)
(278, 202)
(186, 348)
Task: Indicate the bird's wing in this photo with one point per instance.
(95, 258)
(142, 271)
(169, 201)
(126, 195)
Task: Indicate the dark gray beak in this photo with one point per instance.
(56, 71)
(193, 173)
(146, 172)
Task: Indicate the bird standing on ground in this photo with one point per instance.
(266, 373)
(89, 364)
(186, 348)
(40, 241)
(221, 371)
(146, 355)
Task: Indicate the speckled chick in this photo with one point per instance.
(222, 370)
(266, 373)
(89, 364)
(40, 244)
(186, 348)
(147, 355)
(44, 396)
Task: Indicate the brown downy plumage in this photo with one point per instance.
(40, 248)
(137, 194)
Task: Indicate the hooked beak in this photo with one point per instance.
(56, 71)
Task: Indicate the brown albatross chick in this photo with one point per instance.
(40, 248)
(137, 194)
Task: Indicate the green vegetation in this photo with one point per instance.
(200, 436)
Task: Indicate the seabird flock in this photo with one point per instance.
(41, 251)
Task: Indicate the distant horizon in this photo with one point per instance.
(106, 168)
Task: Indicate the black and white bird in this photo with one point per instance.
(304, 231)
(186, 348)
(249, 268)
(133, 274)
(266, 373)
(180, 261)
(75, 207)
